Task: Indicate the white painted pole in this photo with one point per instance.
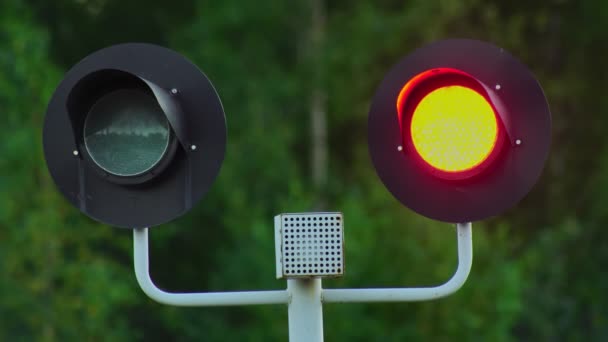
(305, 310)
(305, 296)
(140, 256)
(465, 260)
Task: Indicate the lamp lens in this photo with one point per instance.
(126, 132)
(454, 129)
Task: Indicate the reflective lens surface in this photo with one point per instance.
(454, 129)
(126, 133)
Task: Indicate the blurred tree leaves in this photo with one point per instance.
(54, 283)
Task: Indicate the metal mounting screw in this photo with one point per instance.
(399, 148)
(75, 152)
(497, 87)
(193, 147)
(518, 142)
(174, 91)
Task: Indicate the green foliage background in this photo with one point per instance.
(539, 271)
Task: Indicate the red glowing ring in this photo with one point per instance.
(421, 85)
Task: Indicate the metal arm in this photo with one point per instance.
(140, 253)
(465, 259)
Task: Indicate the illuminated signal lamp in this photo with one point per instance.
(459, 130)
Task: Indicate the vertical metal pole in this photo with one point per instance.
(305, 310)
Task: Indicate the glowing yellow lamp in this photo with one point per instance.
(454, 129)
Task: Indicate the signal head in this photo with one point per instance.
(134, 135)
(459, 130)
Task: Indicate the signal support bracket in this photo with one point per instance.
(304, 295)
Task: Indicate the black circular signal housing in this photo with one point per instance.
(134, 135)
(459, 130)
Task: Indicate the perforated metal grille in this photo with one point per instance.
(311, 244)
